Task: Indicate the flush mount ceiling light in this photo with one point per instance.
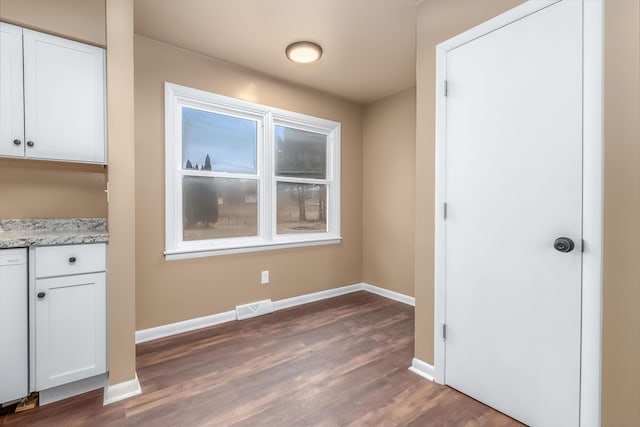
(303, 52)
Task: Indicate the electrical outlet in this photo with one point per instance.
(265, 277)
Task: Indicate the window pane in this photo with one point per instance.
(302, 208)
(214, 208)
(300, 154)
(217, 142)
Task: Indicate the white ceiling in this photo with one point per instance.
(369, 45)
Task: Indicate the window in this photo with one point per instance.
(243, 177)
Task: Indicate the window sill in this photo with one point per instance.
(177, 254)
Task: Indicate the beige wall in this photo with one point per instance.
(122, 227)
(40, 189)
(621, 299)
(170, 291)
(81, 20)
(437, 21)
(388, 195)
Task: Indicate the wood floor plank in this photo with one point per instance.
(337, 362)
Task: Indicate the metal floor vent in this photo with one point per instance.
(254, 309)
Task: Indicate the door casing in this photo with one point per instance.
(593, 143)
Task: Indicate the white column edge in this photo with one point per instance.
(592, 225)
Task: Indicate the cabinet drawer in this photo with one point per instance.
(71, 259)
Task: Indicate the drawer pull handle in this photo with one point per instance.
(72, 260)
(41, 294)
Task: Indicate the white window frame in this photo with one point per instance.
(267, 118)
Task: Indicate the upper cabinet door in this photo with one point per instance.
(11, 107)
(64, 97)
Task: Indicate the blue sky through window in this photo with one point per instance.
(229, 141)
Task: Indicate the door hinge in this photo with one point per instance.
(582, 245)
(446, 87)
(444, 210)
(444, 331)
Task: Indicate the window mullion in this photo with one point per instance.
(177, 177)
(267, 203)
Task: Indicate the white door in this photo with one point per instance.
(11, 96)
(514, 186)
(64, 95)
(70, 329)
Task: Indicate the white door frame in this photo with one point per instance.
(593, 89)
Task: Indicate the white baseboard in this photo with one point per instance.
(124, 390)
(150, 334)
(422, 368)
(316, 296)
(396, 296)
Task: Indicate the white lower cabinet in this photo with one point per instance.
(70, 314)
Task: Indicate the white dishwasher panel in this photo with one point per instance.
(14, 362)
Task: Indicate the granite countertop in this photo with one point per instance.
(20, 233)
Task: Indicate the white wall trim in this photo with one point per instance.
(592, 217)
(396, 296)
(423, 369)
(593, 144)
(158, 332)
(163, 331)
(316, 296)
(201, 253)
(124, 390)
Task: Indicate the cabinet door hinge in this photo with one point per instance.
(444, 331)
(444, 210)
(446, 87)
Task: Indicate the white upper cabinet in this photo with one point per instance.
(63, 111)
(64, 98)
(11, 95)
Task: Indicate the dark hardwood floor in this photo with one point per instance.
(337, 362)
